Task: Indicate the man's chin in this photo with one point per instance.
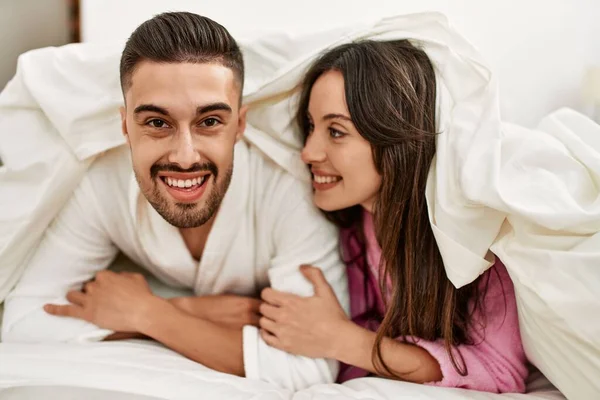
(178, 207)
(185, 216)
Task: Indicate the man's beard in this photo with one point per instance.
(187, 215)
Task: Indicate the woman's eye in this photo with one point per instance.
(210, 122)
(158, 123)
(336, 134)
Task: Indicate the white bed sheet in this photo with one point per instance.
(133, 366)
(539, 388)
(67, 393)
(147, 368)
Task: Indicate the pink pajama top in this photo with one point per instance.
(495, 361)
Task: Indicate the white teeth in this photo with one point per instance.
(326, 179)
(187, 183)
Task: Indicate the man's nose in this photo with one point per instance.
(184, 153)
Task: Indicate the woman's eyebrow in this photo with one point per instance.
(337, 116)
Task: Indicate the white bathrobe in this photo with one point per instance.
(265, 229)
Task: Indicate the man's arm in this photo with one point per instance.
(215, 346)
(214, 319)
(124, 303)
(72, 250)
(224, 310)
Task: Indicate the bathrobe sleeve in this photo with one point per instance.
(74, 247)
(300, 235)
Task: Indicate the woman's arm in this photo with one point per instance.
(317, 326)
(494, 361)
(407, 361)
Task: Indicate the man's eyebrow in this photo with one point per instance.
(213, 107)
(200, 110)
(151, 108)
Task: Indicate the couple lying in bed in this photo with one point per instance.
(273, 289)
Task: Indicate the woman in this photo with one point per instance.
(367, 112)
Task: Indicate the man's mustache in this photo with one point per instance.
(207, 166)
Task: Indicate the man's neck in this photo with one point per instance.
(195, 238)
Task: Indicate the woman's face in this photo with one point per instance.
(341, 160)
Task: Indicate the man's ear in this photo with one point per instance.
(241, 123)
(123, 112)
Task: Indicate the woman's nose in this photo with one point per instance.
(314, 150)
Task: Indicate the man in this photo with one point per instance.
(185, 214)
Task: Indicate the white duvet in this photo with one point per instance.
(532, 196)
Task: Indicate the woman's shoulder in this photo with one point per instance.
(497, 297)
(496, 280)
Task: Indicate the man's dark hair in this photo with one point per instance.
(177, 37)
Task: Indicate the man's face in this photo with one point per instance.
(181, 121)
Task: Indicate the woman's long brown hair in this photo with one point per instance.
(390, 90)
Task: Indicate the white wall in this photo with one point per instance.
(539, 48)
(26, 25)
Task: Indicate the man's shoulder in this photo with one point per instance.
(272, 183)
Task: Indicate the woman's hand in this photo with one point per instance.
(307, 326)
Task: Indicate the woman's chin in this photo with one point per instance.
(329, 205)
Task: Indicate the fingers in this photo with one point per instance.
(316, 277)
(89, 287)
(271, 312)
(268, 325)
(270, 339)
(134, 275)
(76, 297)
(277, 298)
(103, 275)
(68, 310)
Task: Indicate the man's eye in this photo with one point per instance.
(157, 123)
(210, 122)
